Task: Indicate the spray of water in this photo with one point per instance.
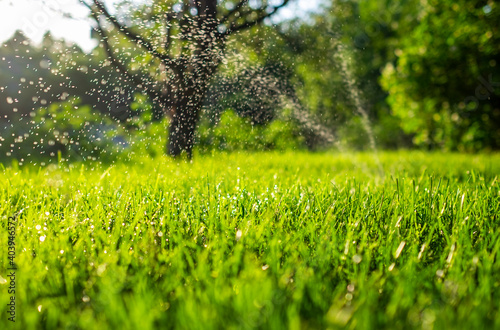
(345, 65)
(307, 121)
(287, 98)
(263, 84)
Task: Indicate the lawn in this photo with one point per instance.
(266, 240)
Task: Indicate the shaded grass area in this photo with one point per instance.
(266, 240)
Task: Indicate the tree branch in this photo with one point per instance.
(139, 40)
(258, 20)
(168, 36)
(138, 81)
(233, 11)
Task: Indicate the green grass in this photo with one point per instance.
(296, 240)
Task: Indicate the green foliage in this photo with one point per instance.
(444, 87)
(426, 72)
(65, 129)
(34, 76)
(371, 32)
(309, 49)
(234, 133)
(265, 240)
(145, 138)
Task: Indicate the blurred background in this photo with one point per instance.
(355, 75)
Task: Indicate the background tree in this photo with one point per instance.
(445, 85)
(49, 91)
(369, 33)
(184, 44)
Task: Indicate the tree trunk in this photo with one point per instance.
(192, 80)
(201, 42)
(182, 130)
(185, 113)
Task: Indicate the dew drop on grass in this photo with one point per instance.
(357, 258)
(475, 260)
(39, 308)
(38, 227)
(422, 249)
(85, 299)
(101, 269)
(42, 238)
(400, 249)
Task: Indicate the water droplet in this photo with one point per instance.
(400, 249)
(101, 269)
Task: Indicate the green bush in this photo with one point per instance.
(234, 133)
(63, 129)
(443, 87)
